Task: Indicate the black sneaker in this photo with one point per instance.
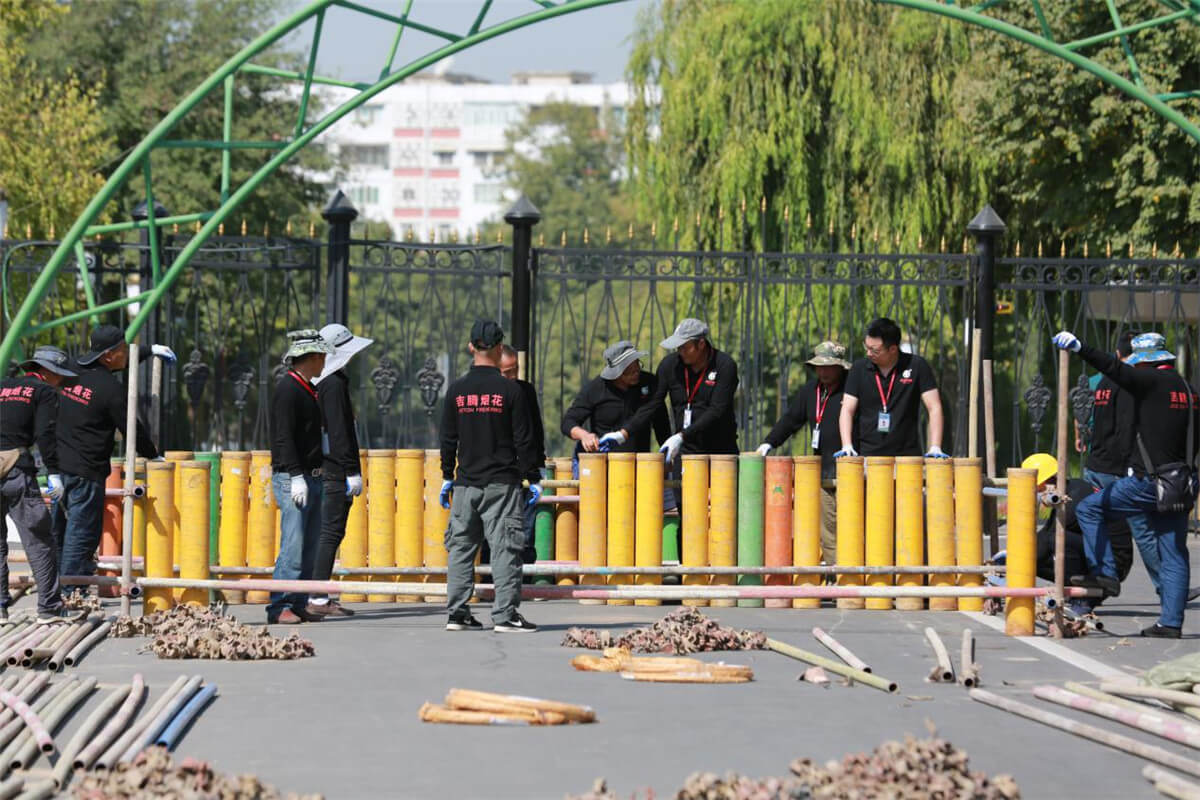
(1157, 631)
(517, 624)
(463, 621)
(1193, 593)
(1110, 586)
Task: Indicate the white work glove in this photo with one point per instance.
(353, 485)
(936, 452)
(163, 352)
(672, 447)
(535, 493)
(444, 495)
(848, 450)
(56, 487)
(299, 491)
(610, 440)
(763, 449)
(1065, 340)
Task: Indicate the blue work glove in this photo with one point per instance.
(535, 494)
(56, 486)
(163, 352)
(672, 446)
(1065, 340)
(848, 450)
(936, 452)
(353, 485)
(610, 440)
(444, 495)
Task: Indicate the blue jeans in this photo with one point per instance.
(299, 533)
(78, 519)
(1119, 500)
(1147, 542)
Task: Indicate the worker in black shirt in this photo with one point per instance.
(701, 382)
(90, 412)
(537, 437)
(883, 395)
(1165, 430)
(818, 404)
(609, 401)
(485, 427)
(341, 470)
(28, 415)
(296, 460)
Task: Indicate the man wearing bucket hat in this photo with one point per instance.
(486, 452)
(341, 469)
(296, 460)
(610, 400)
(701, 382)
(818, 404)
(90, 412)
(1162, 479)
(29, 411)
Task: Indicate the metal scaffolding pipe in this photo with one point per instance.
(59, 657)
(156, 724)
(575, 569)
(27, 715)
(170, 735)
(840, 650)
(28, 752)
(26, 688)
(874, 681)
(1115, 740)
(76, 653)
(112, 753)
(115, 725)
(11, 787)
(39, 791)
(66, 760)
(1148, 721)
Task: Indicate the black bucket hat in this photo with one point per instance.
(51, 358)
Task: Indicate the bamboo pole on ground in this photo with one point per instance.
(944, 671)
(828, 664)
(840, 650)
(1145, 720)
(969, 672)
(806, 522)
(1169, 784)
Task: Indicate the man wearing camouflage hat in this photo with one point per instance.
(296, 465)
(818, 404)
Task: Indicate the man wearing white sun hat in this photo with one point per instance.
(341, 471)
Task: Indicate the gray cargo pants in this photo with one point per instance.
(21, 499)
(497, 512)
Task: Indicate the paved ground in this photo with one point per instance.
(344, 723)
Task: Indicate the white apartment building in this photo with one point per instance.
(424, 155)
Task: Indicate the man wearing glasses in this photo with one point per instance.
(883, 395)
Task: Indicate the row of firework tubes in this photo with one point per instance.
(750, 533)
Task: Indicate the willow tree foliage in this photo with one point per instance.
(848, 114)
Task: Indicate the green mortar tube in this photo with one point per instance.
(543, 540)
(670, 540)
(214, 503)
(750, 522)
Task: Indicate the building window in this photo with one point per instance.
(449, 196)
(443, 233)
(368, 114)
(408, 194)
(489, 192)
(443, 158)
(364, 195)
(366, 155)
(495, 115)
(408, 155)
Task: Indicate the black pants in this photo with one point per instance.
(335, 508)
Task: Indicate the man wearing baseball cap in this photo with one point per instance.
(701, 382)
(610, 400)
(1162, 475)
(818, 404)
(29, 412)
(341, 469)
(90, 412)
(486, 434)
(296, 460)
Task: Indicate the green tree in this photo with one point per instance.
(143, 56)
(1080, 162)
(52, 139)
(843, 112)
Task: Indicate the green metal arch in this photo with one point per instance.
(72, 242)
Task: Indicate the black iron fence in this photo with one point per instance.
(228, 315)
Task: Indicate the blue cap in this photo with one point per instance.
(1149, 348)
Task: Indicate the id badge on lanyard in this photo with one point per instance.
(885, 422)
(687, 416)
(816, 440)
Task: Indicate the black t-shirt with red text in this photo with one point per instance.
(485, 423)
(90, 412)
(28, 415)
(897, 394)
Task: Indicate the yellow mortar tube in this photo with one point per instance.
(177, 455)
(694, 552)
(1022, 549)
(910, 526)
(260, 519)
(622, 516)
(194, 528)
(410, 512)
(566, 522)
(435, 521)
(806, 523)
(235, 498)
(939, 503)
(381, 516)
(353, 551)
(968, 525)
(139, 517)
(880, 524)
(649, 519)
(593, 513)
(160, 508)
(850, 536)
(722, 521)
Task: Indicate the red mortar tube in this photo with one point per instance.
(777, 524)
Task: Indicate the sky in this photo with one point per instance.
(595, 40)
